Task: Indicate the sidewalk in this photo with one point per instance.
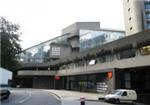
(68, 97)
(75, 95)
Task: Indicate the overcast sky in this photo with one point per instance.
(41, 20)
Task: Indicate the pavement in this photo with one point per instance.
(75, 95)
(73, 98)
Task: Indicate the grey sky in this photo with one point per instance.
(41, 20)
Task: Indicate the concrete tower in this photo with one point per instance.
(136, 15)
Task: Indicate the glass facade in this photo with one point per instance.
(88, 82)
(147, 6)
(41, 52)
(147, 13)
(90, 39)
(147, 16)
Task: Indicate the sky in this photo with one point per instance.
(41, 20)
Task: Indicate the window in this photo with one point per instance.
(127, 80)
(148, 25)
(147, 16)
(102, 59)
(109, 58)
(147, 7)
(124, 94)
(131, 28)
(129, 9)
(81, 63)
(145, 50)
(126, 54)
(127, 1)
(130, 18)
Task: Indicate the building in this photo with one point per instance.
(136, 16)
(93, 60)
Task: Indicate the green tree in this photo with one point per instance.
(9, 42)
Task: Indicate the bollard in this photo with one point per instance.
(82, 100)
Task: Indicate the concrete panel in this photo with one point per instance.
(36, 73)
(81, 25)
(133, 15)
(138, 61)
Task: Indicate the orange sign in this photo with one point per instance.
(110, 74)
(57, 77)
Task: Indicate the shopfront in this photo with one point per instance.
(99, 82)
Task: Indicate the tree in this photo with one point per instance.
(9, 42)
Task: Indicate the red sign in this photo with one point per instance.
(110, 74)
(57, 77)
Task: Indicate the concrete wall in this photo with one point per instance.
(81, 25)
(74, 42)
(137, 61)
(133, 9)
(36, 73)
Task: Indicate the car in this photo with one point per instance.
(122, 96)
(4, 91)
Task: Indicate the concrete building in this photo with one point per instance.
(92, 60)
(136, 16)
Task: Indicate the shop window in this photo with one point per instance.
(126, 54)
(127, 78)
(147, 79)
(145, 50)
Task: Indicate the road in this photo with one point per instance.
(41, 97)
(30, 97)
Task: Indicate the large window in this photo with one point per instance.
(147, 16)
(145, 50)
(126, 54)
(90, 39)
(41, 52)
(148, 25)
(147, 6)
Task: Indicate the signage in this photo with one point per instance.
(57, 77)
(102, 87)
(110, 74)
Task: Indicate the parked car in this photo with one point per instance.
(122, 96)
(4, 91)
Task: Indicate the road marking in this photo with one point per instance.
(55, 95)
(25, 99)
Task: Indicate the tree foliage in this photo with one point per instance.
(10, 47)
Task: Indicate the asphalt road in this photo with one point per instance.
(30, 97)
(41, 97)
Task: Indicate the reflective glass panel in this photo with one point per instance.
(90, 38)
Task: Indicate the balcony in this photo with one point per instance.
(138, 61)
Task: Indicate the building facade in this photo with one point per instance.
(136, 16)
(90, 60)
